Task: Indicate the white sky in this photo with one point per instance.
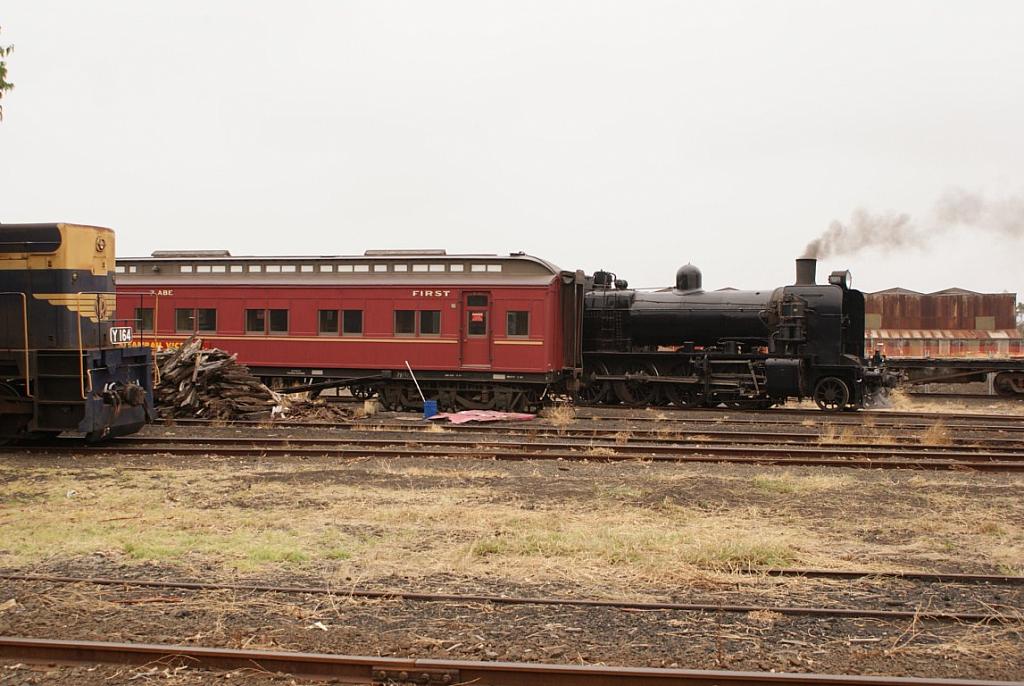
(631, 136)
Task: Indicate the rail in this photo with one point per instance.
(427, 672)
(1010, 615)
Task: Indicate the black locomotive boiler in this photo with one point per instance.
(689, 347)
(65, 364)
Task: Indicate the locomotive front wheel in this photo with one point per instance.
(831, 394)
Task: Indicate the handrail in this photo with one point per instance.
(81, 348)
(24, 326)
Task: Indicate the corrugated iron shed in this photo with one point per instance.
(953, 308)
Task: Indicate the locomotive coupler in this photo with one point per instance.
(130, 394)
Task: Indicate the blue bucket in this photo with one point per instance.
(429, 408)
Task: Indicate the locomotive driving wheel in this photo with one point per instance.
(681, 394)
(596, 390)
(831, 394)
(637, 391)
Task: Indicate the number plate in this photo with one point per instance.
(120, 334)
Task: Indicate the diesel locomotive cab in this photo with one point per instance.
(687, 346)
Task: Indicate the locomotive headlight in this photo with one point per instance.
(843, 279)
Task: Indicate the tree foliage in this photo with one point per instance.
(5, 85)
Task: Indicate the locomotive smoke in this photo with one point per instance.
(955, 209)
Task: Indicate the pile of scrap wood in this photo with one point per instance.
(211, 383)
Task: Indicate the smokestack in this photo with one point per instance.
(805, 271)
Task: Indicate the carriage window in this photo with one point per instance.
(455, 267)
(144, 318)
(273, 267)
(405, 322)
(328, 321)
(185, 268)
(352, 322)
(476, 323)
(437, 267)
(119, 269)
(430, 322)
(184, 319)
(206, 319)
(476, 300)
(255, 267)
(278, 321)
(518, 324)
(236, 268)
(327, 267)
(307, 267)
(288, 268)
(203, 269)
(255, 321)
(380, 267)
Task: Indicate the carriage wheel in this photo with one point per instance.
(831, 394)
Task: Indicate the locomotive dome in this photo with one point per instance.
(688, 278)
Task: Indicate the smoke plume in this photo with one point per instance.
(956, 209)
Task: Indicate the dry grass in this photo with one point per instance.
(937, 434)
(374, 518)
(559, 416)
(901, 401)
(787, 482)
(622, 437)
(832, 434)
(436, 428)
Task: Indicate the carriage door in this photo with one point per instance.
(476, 330)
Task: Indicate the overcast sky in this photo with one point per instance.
(631, 136)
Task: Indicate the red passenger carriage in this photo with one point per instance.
(478, 330)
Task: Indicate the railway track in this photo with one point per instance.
(831, 456)
(1007, 425)
(1012, 449)
(1012, 616)
(965, 396)
(424, 672)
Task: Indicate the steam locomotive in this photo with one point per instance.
(691, 347)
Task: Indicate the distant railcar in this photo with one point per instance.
(478, 331)
(65, 364)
